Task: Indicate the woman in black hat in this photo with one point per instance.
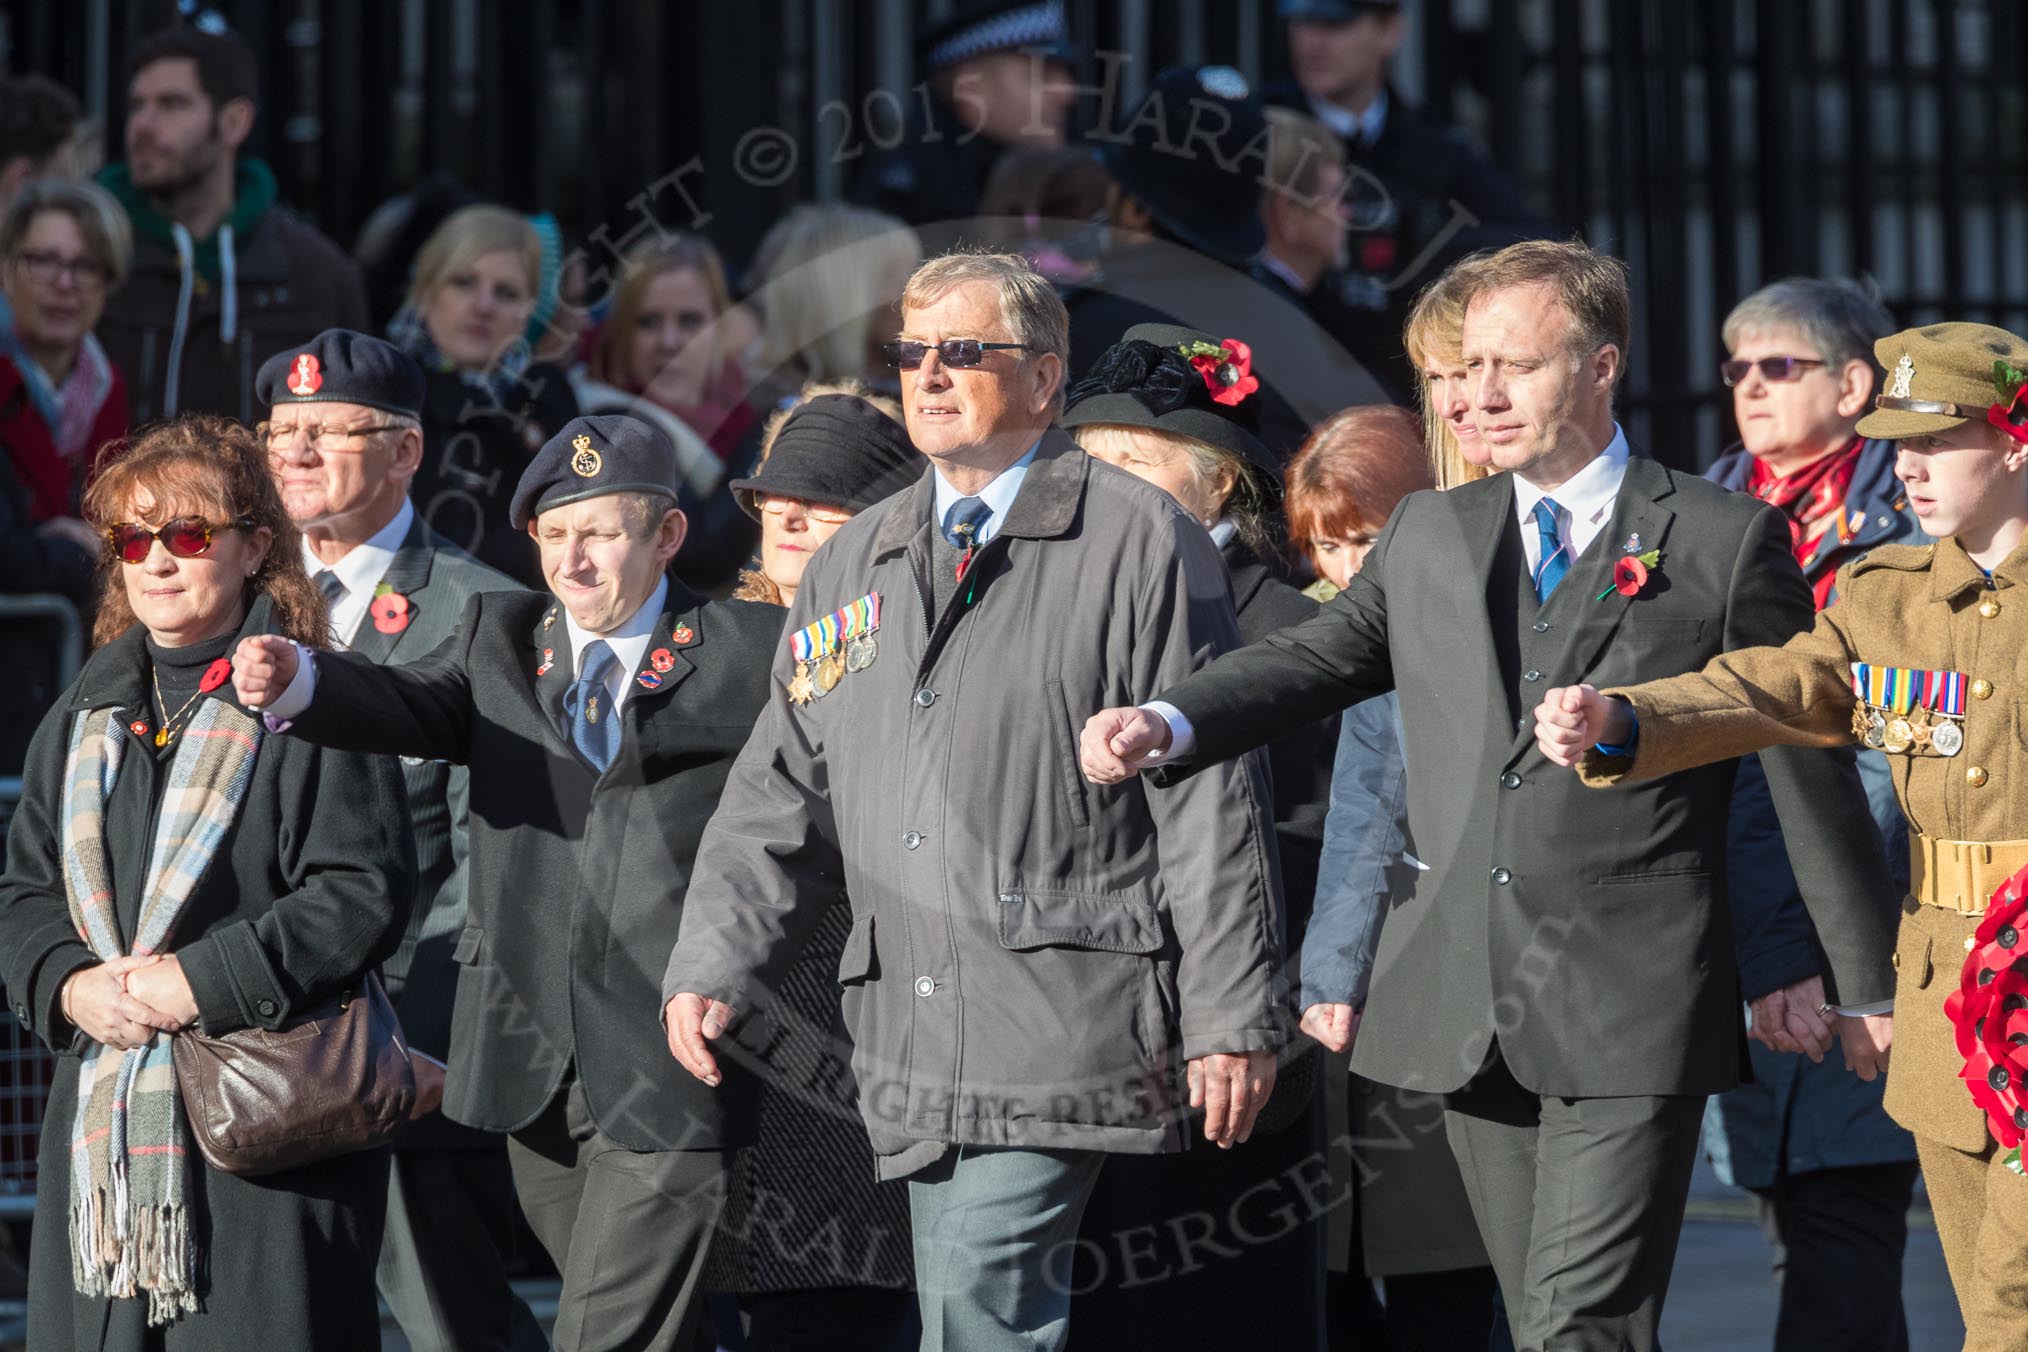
(818, 1253)
(823, 461)
(1180, 408)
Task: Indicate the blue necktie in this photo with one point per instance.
(965, 520)
(588, 706)
(333, 588)
(1555, 557)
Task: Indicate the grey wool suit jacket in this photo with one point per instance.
(1588, 931)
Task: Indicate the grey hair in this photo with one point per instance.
(1837, 316)
(1029, 307)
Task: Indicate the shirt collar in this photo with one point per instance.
(1271, 264)
(1586, 495)
(366, 563)
(629, 640)
(1366, 126)
(998, 495)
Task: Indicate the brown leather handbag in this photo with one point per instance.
(334, 1080)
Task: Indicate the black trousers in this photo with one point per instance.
(1838, 1237)
(443, 1260)
(832, 1319)
(629, 1230)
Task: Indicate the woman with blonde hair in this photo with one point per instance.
(1433, 337)
(829, 277)
(489, 405)
(667, 341)
(173, 865)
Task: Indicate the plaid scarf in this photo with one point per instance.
(1813, 499)
(499, 384)
(129, 1145)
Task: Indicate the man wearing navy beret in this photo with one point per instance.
(344, 438)
(598, 725)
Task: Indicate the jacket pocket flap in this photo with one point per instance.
(1070, 920)
(855, 964)
(467, 951)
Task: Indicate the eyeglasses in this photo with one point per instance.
(817, 511)
(47, 268)
(187, 537)
(1771, 368)
(959, 352)
(281, 436)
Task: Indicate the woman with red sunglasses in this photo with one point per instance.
(166, 869)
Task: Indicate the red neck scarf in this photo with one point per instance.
(1808, 496)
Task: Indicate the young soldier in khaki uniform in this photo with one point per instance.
(1878, 668)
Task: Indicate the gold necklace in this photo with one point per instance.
(169, 721)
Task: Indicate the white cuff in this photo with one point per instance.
(1872, 1011)
(302, 689)
(1182, 741)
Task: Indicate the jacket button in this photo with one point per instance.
(925, 987)
(1510, 780)
(266, 1009)
(1975, 775)
(1502, 876)
(1895, 959)
(925, 697)
(1542, 626)
(1988, 608)
(1531, 675)
(911, 839)
(1982, 689)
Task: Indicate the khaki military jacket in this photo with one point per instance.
(1927, 607)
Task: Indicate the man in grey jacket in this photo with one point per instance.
(1039, 971)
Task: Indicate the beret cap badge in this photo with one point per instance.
(586, 462)
(307, 378)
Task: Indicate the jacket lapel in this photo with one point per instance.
(666, 661)
(408, 575)
(1483, 512)
(549, 669)
(1591, 621)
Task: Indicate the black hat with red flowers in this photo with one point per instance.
(1181, 381)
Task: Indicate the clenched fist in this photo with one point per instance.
(262, 668)
(1574, 718)
(1116, 743)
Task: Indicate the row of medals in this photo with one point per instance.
(1918, 730)
(856, 655)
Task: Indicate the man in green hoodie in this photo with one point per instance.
(222, 277)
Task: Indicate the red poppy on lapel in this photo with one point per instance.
(390, 612)
(661, 659)
(683, 635)
(215, 675)
(139, 727)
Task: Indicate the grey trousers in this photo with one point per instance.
(629, 1230)
(995, 1231)
(1580, 1202)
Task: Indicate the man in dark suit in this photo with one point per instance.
(344, 438)
(1563, 972)
(598, 726)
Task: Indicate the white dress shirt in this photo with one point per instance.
(1586, 499)
(361, 570)
(998, 495)
(1364, 127)
(628, 642)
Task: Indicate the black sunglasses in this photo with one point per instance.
(959, 352)
(1771, 368)
(187, 537)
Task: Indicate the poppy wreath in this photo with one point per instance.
(1989, 1014)
(2010, 414)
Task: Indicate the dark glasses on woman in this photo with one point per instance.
(187, 537)
(959, 352)
(1771, 368)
